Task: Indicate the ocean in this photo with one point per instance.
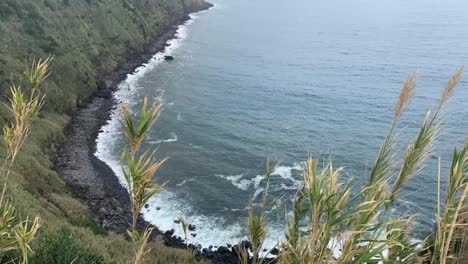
(284, 81)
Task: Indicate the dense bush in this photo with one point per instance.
(61, 247)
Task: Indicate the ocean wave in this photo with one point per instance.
(286, 172)
(285, 187)
(184, 182)
(257, 180)
(161, 95)
(257, 193)
(173, 138)
(237, 209)
(236, 180)
(210, 230)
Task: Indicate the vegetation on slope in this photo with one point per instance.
(88, 39)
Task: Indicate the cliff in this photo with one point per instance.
(89, 41)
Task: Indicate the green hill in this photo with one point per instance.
(88, 40)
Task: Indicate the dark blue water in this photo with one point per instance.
(288, 80)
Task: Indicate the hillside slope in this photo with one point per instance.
(88, 40)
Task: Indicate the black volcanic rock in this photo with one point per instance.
(275, 251)
(169, 232)
(224, 250)
(246, 244)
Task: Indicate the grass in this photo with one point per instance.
(61, 247)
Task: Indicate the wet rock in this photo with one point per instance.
(275, 251)
(103, 211)
(168, 58)
(192, 227)
(170, 232)
(236, 249)
(224, 250)
(246, 244)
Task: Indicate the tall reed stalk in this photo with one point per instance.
(139, 170)
(17, 234)
(454, 210)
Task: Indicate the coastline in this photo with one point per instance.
(91, 179)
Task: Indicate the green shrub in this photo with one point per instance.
(61, 247)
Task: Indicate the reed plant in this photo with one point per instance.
(257, 224)
(17, 234)
(452, 220)
(185, 225)
(139, 170)
(330, 223)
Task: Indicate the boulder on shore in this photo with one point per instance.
(168, 58)
(192, 227)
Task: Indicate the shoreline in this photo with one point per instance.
(91, 179)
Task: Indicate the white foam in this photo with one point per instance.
(257, 192)
(257, 180)
(285, 172)
(243, 184)
(284, 187)
(184, 182)
(161, 95)
(238, 209)
(236, 180)
(210, 230)
(173, 138)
